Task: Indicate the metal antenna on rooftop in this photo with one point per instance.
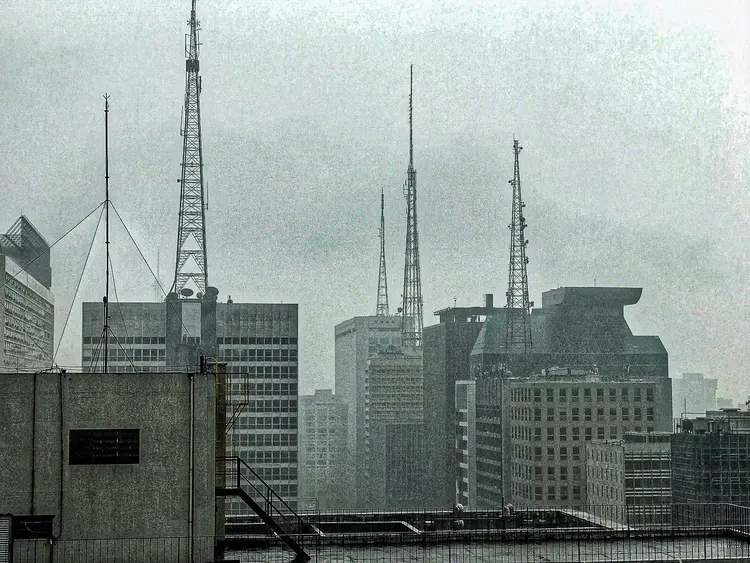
(411, 320)
(382, 306)
(105, 328)
(192, 262)
(518, 333)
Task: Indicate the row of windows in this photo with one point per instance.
(270, 405)
(554, 492)
(258, 355)
(529, 394)
(265, 440)
(238, 340)
(126, 340)
(254, 457)
(259, 372)
(267, 422)
(551, 434)
(562, 453)
(576, 414)
(264, 388)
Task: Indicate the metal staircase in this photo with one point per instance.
(236, 478)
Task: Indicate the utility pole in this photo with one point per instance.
(105, 328)
(192, 263)
(382, 306)
(518, 333)
(411, 310)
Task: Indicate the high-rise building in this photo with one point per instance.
(322, 447)
(446, 350)
(711, 459)
(257, 342)
(356, 341)
(531, 432)
(27, 304)
(693, 393)
(630, 480)
(394, 433)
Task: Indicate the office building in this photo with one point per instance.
(446, 353)
(27, 304)
(630, 480)
(693, 393)
(711, 459)
(356, 341)
(322, 447)
(256, 343)
(394, 432)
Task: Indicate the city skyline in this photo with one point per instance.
(269, 185)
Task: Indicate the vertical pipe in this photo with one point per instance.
(106, 228)
(191, 522)
(33, 444)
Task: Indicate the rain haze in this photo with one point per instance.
(633, 117)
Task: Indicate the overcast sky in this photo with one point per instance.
(633, 117)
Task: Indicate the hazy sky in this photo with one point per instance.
(633, 117)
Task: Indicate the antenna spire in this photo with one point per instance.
(518, 333)
(191, 266)
(382, 306)
(411, 311)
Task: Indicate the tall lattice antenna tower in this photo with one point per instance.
(518, 334)
(192, 263)
(382, 307)
(411, 310)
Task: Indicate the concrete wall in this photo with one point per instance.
(145, 500)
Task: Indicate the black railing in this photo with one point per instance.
(234, 473)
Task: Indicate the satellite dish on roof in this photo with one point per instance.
(186, 292)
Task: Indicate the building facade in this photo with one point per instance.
(27, 304)
(711, 459)
(322, 449)
(693, 393)
(394, 432)
(255, 342)
(630, 480)
(446, 349)
(111, 458)
(356, 341)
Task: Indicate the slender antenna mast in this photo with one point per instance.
(191, 265)
(105, 329)
(382, 306)
(518, 333)
(411, 310)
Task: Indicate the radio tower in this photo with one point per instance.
(192, 264)
(411, 311)
(518, 333)
(382, 307)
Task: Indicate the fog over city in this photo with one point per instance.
(633, 117)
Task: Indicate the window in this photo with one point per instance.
(637, 413)
(587, 394)
(650, 413)
(550, 395)
(574, 395)
(650, 395)
(550, 434)
(106, 446)
(587, 434)
(563, 434)
(564, 395)
(537, 395)
(599, 395)
(613, 395)
(537, 434)
(537, 493)
(563, 453)
(537, 415)
(600, 433)
(576, 472)
(625, 413)
(613, 412)
(563, 415)
(550, 474)
(613, 433)
(550, 415)
(574, 416)
(636, 395)
(587, 415)
(538, 453)
(576, 434)
(576, 453)
(600, 413)
(550, 453)
(538, 473)
(563, 473)
(625, 395)
(551, 492)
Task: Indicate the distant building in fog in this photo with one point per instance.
(446, 352)
(722, 403)
(356, 341)
(394, 432)
(27, 304)
(322, 449)
(711, 459)
(693, 393)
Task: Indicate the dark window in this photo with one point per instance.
(106, 446)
